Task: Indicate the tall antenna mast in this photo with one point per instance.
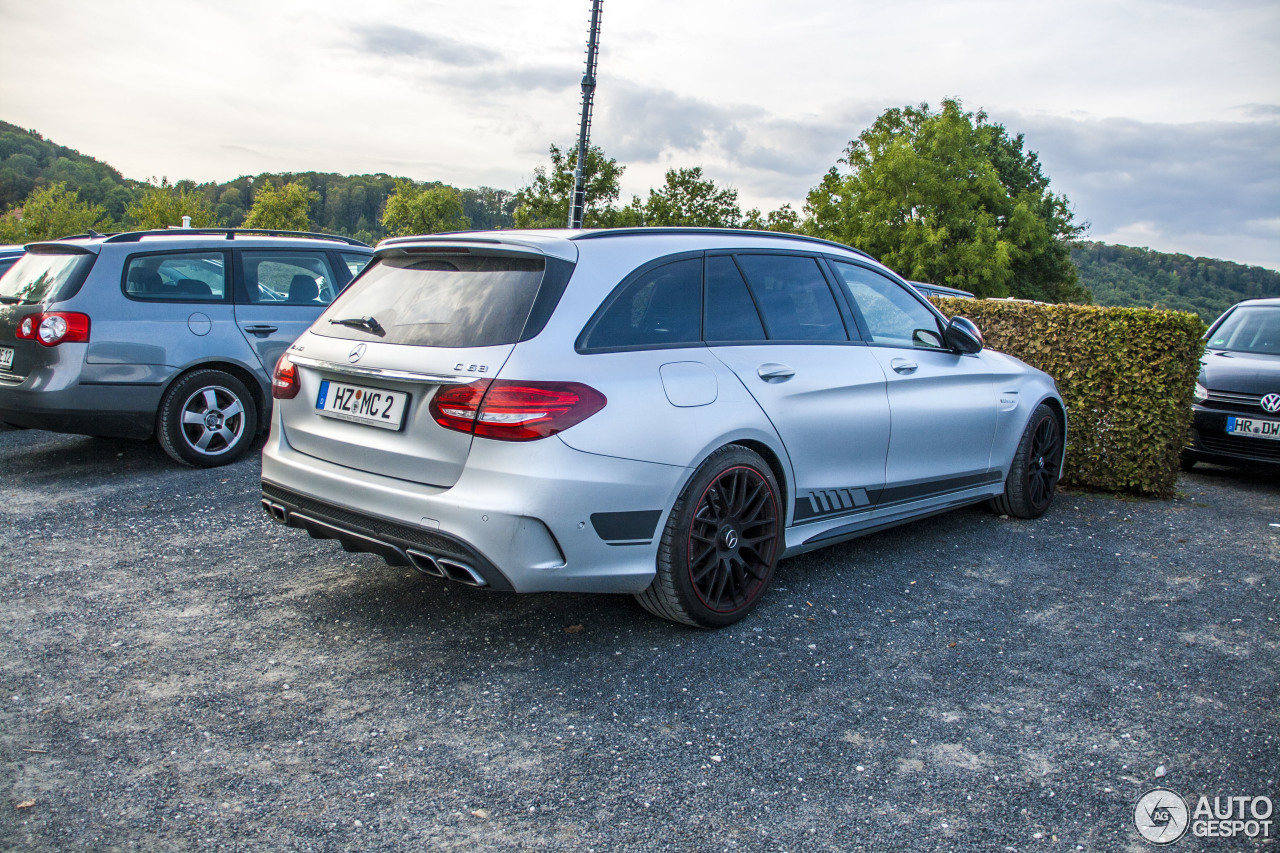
(577, 203)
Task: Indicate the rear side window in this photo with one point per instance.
(731, 313)
(288, 278)
(44, 277)
(794, 298)
(439, 301)
(177, 277)
(659, 307)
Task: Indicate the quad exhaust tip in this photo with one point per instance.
(443, 567)
(276, 511)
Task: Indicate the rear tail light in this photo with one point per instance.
(284, 381)
(510, 410)
(55, 327)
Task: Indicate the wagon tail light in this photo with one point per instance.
(510, 410)
(284, 381)
(55, 327)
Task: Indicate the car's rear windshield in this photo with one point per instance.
(1249, 328)
(442, 301)
(44, 277)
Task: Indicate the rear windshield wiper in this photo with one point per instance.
(366, 324)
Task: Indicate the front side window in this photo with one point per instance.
(438, 301)
(659, 307)
(1249, 328)
(288, 278)
(355, 262)
(892, 315)
(177, 277)
(794, 298)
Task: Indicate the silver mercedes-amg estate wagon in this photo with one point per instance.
(662, 412)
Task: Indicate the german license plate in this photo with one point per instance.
(6, 358)
(373, 406)
(1253, 428)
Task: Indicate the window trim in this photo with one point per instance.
(228, 274)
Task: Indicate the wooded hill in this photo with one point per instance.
(353, 204)
(1140, 278)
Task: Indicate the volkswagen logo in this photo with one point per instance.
(357, 353)
(1271, 402)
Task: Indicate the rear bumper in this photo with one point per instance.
(526, 517)
(1211, 443)
(113, 410)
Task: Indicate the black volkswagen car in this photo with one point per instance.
(1237, 401)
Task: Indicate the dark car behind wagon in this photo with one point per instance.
(1237, 397)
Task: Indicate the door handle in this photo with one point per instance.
(901, 365)
(260, 329)
(775, 372)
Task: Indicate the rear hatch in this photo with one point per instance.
(47, 274)
(418, 320)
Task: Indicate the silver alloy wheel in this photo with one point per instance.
(212, 420)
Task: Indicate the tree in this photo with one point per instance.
(784, 219)
(687, 199)
(160, 205)
(544, 202)
(423, 209)
(284, 209)
(49, 213)
(949, 198)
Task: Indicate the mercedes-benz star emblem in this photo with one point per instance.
(357, 353)
(1271, 402)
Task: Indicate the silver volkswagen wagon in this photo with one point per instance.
(662, 412)
(169, 333)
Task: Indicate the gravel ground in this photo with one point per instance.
(179, 673)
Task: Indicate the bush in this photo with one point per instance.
(1126, 374)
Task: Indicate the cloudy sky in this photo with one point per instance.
(1159, 120)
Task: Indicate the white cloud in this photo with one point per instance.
(1163, 112)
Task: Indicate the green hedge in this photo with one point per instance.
(1126, 374)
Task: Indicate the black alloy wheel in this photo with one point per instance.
(721, 543)
(732, 540)
(1033, 476)
(1041, 472)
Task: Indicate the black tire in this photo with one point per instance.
(207, 418)
(1186, 463)
(721, 543)
(1033, 476)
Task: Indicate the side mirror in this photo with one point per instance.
(963, 336)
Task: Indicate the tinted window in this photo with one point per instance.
(1250, 328)
(355, 262)
(730, 314)
(794, 298)
(178, 277)
(40, 277)
(892, 315)
(289, 278)
(660, 307)
(453, 301)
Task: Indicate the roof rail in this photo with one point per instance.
(229, 233)
(615, 232)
